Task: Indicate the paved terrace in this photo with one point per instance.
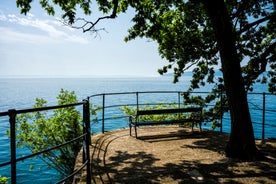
(172, 155)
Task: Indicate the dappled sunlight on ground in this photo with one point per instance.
(173, 155)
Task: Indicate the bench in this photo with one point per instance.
(192, 115)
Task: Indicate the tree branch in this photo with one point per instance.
(248, 26)
(191, 64)
(90, 25)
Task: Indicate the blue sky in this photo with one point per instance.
(38, 44)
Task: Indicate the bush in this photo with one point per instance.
(37, 131)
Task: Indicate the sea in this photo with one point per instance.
(20, 93)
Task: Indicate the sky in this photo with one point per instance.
(40, 45)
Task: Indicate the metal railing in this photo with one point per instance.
(110, 101)
(85, 138)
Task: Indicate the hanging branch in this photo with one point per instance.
(90, 25)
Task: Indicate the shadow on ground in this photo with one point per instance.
(175, 156)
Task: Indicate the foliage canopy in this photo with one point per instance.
(184, 34)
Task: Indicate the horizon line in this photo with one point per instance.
(79, 76)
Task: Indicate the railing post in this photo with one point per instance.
(179, 114)
(221, 111)
(86, 108)
(103, 113)
(263, 122)
(84, 131)
(137, 100)
(179, 99)
(12, 115)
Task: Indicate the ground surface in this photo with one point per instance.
(173, 155)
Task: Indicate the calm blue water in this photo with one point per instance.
(21, 94)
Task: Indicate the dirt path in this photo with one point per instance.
(173, 155)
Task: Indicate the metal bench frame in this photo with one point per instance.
(135, 122)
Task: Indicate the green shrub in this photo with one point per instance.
(38, 131)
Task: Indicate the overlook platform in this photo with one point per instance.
(172, 155)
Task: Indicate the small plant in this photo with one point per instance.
(3, 180)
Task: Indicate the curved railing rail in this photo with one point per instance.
(109, 102)
(85, 138)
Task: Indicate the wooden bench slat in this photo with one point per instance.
(167, 111)
(166, 122)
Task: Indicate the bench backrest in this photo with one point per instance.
(168, 111)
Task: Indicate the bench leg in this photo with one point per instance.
(130, 127)
(135, 131)
(200, 126)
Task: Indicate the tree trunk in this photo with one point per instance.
(241, 144)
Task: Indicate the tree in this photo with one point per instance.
(242, 143)
(195, 32)
(238, 36)
(37, 131)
